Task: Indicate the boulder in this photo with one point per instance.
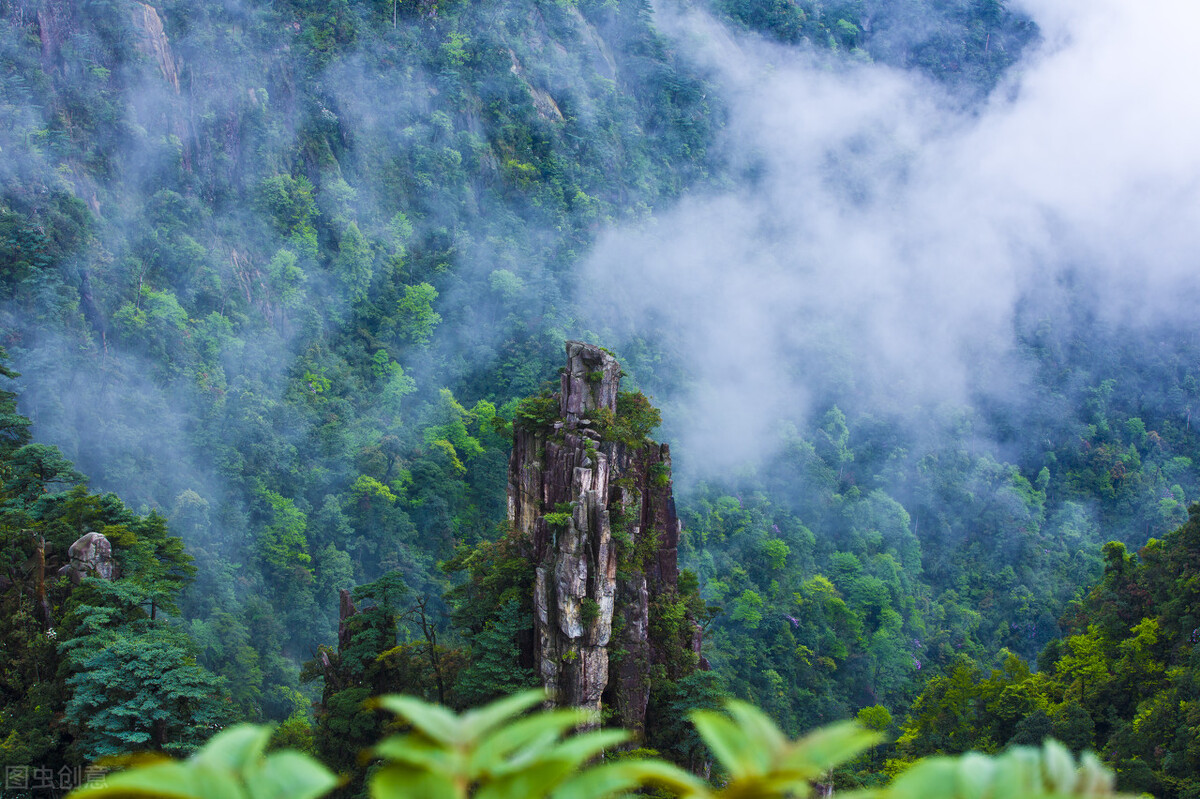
(90, 556)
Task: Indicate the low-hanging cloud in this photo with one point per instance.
(882, 237)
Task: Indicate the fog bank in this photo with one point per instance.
(880, 237)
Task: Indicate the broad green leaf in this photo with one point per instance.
(230, 766)
(633, 773)
(1094, 778)
(476, 723)
(170, 780)
(1018, 774)
(581, 748)
(601, 781)
(740, 756)
(396, 781)
(433, 720)
(289, 775)
(933, 778)
(530, 734)
(536, 781)
(1058, 767)
(211, 783)
(757, 725)
(822, 749)
(975, 775)
(235, 747)
(774, 785)
(419, 752)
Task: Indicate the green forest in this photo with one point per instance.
(283, 281)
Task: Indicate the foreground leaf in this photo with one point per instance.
(230, 766)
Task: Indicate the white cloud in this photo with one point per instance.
(897, 233)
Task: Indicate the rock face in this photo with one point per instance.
(91, 556)
(153, 42)
(593, 497)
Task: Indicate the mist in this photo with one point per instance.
(881, 237)
(283, 271)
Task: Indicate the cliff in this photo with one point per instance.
(592, 494)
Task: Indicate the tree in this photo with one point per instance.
(875, 718)
(282, 544)
(289, 204)
(1033, 729)
(287, 279)
(14, 428)
(153, 559)
(354, 263)
(135, 685)
(747, 609)
(1085, 663)
(34, 470)
(495, 668)
(415, 317)
(1074, 727)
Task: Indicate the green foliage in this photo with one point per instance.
(1019, 772)
(920, 560)
(965, 46)
(287, 279)
(496, 752)
(35, 469)
(589, 611)
(97, 668)
(499, 573)
(450, 423)
(134, 685)
(416, 317)
(507, 284)
(748, 609)
(283, 545)
(537, 413)
(235, 309)
(234, 764)
(354, 266)
(495, 668)
(1122, 681)
(486, 753)
(387, 592)
(224, 317)
(875, 718)
(294, 732)
(635, 418)
(289, 204)
(149, 556)
(760, 761)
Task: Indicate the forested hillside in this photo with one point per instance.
(93, 664)
(1122, 681)
(279, 275)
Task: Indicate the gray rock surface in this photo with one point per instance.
(90, 556)
(567, 484)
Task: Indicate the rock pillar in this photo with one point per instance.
(593, 497)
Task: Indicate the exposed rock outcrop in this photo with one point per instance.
(543, 103)
(593, 496)
(91, 556)
(153, 42)
(346, 609)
